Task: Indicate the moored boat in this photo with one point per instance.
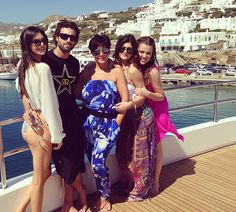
(8, 75)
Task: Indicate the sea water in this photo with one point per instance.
(11, 106)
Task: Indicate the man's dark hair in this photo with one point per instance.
(65, 24)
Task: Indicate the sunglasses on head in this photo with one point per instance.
(65, 36)
(129, 50)
(38, 42)
(102, 50)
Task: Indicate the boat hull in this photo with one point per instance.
(8, 76)
(198, 139)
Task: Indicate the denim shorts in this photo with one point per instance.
(25, 127)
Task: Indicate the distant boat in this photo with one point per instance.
(8, 75)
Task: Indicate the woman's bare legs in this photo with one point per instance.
(41, 172)
(41, 165)
(159, 162)
(26, 199)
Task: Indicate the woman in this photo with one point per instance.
(100, 85)
(37, 91)
(136, 143)
(155, 96)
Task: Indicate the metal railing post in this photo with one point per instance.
(2, 162)
(215, 115)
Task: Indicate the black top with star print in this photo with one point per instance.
(65, 73)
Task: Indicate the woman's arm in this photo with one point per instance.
(155, 80)
(27, 111)
(123, 92)
(137, 79)
(50, 105)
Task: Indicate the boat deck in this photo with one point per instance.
(205, 182)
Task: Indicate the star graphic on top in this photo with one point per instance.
(64, 80)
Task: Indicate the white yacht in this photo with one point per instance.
(198, 174)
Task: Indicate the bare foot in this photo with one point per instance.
(155, 189)
(73, 209)
(107, 207)
(83, 209)
(103, 204)
(82, 204)
(69, 208)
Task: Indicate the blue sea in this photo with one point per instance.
(10, 106)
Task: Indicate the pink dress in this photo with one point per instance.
(162, 118)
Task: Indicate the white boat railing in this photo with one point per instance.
(216, 102)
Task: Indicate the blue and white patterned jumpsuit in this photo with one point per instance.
(101, 129)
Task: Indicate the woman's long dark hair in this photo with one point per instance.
(28, 57)
(150, 42)
(128, 38)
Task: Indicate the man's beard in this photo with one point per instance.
(66, 50)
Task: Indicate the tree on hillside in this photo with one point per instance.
(217, 14)
(156, 37)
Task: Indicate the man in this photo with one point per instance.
(69, 159)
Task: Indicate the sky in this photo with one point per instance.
(31, 12)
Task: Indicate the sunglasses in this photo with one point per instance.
(129, 50)
(64, 36)
(102, 50)
(38, 42)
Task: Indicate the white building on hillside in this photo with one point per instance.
(137, 27)
(231, 40)
(9, 39)
(80, 18)
(228, 24)
(146, 19)
(177, 27)
(222, 3)
(190, 41)
(197, 15)
(103, 15)
(158, 12)
(9, 52)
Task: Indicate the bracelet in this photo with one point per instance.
(134, 105)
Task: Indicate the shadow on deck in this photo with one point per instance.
(205, 182)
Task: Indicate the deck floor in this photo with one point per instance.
(204, 183)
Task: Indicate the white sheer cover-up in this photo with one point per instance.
(42, 96)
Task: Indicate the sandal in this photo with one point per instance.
(132, 198)
(103, 204)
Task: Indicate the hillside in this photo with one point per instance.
(8, 27)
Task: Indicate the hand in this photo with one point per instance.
(142, 91)
(45, 144)
(57, 146)
(123, 106)
(28, 117)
